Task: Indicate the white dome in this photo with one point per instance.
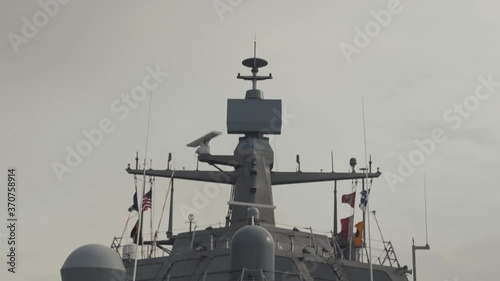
(94, 256)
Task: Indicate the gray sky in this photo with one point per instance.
(429, 57)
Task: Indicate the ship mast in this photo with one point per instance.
(335, 227)
(252, 118)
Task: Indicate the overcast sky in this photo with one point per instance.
(430, 70)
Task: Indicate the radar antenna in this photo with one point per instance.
(202, 142)
(254, 63)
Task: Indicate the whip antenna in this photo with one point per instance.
(425, 206)
(143, 189)
(368, 195)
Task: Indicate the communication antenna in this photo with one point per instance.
(331, 158)
(169, 160)
(255, 48)
(368, 195)
(335, 228)
(425, 206)
(297, 159)
(171, 211)
(254, 63)
(426, 247)
(143, 189)
(190, 221)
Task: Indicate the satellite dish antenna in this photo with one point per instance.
(202, 142)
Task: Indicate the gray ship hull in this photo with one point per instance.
(309, 257)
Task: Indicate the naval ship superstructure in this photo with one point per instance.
(250, 245)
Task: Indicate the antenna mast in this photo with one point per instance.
(171, 211)
(368, 194)
(426, 247)
(254, 82)
(254, 63)
(335, 228)
(425, 206)
(143, 189)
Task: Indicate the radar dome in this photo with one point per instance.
(93, 263)
(252, 250)
(253, 215)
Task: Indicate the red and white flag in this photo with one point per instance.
(349, 199)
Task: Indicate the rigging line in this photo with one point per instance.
(143, 190)
(164, 204)
(124, 229)
(368, 195)
(379, 229)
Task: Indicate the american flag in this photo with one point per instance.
(146, 201)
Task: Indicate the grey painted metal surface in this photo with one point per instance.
(253, 116)
(224, 253)
(252, 253)
(93, 263)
